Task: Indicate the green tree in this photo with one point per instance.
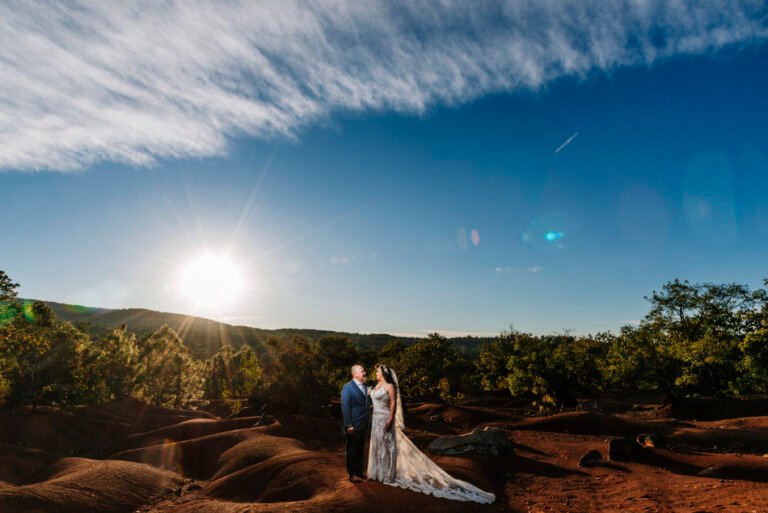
(7, 287)
(390, 353)
(575, 368)
(168, 375)
(335, 356)
(684, 311)
(233, 374)
(556, 369)
(43, 357)
(293, 379)
(709, 365)
(8, 311)
(433, 368)
(492, 361)
(703, 326)
(528, 365)
(111, 366)
(754, 361)
(641, 358)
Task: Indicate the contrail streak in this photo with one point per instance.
(567, 142)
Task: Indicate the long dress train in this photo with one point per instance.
(394, 460)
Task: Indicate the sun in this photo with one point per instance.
(211, 281)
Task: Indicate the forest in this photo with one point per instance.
(696, 339)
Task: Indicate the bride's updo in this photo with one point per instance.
(387, 373)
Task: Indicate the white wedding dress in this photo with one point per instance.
(394, 460)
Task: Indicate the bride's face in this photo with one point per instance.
(379, 375)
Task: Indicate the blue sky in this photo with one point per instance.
(382, 207)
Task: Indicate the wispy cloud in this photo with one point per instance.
(341, 260)
(566, 143)
(535, 269)
(134, 82)
(420, 333)
(356, 256)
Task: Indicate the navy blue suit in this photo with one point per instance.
(355, 405)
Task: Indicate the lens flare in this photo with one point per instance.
(461, 238)
(475, 237)
(553, 236)
(547, 231)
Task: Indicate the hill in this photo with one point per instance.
(205, 336)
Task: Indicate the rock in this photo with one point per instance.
(590, 457)
(650, 440)
(622, 449)
(487, 440)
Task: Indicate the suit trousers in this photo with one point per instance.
(355, 452)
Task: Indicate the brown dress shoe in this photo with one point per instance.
(355, 479)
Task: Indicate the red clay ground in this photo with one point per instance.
(126, 457)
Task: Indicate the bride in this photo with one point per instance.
(394, 460)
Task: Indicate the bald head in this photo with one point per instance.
(358, 372)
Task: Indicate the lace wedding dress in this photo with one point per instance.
(394, 460)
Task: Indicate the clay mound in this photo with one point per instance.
(729, 466)
(78, 484)
(252, 450)
(203, 456)
(57, 431)
(457, 416)
(231, 408)
(94, 431)
(738, 423)
(748, 469)
(721, 438)
(717, 408)
(501, 401)
(588, 423)
(18, 464)
(188, 429)
(219, 407)
(146, 416)
(313, 432)
(196, 458)
(296, 476)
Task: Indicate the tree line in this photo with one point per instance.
(696, 339)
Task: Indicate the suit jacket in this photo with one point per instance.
(354, 406)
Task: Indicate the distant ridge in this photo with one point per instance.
(205, 336)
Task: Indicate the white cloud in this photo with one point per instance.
(535, 269)
(135, 81)
(341, 259)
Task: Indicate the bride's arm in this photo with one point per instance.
(392, 405)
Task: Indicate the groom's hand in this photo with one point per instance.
(350, 430)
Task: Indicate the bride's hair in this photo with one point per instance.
(387, 373)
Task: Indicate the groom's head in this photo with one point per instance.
(358, 372)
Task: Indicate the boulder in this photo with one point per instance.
(487, 440)
(590, 457)
(622, 449)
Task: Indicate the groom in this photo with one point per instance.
(354, 408)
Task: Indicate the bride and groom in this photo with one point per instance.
(392, 458)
